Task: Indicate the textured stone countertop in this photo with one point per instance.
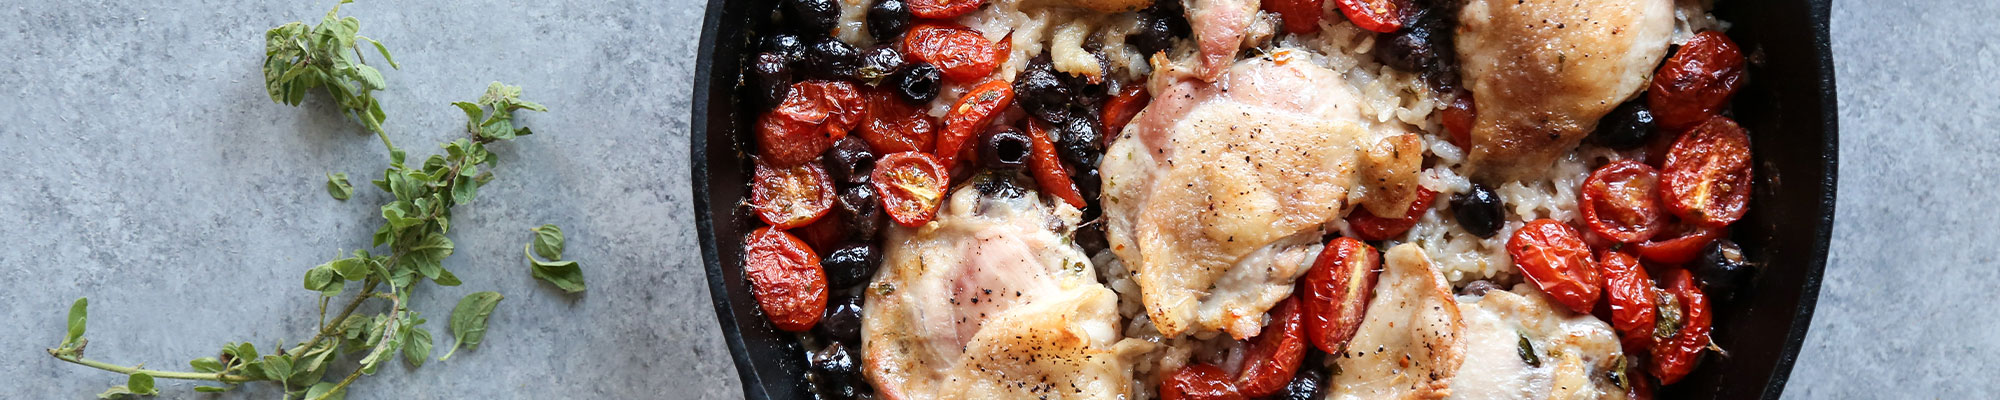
(147, 169)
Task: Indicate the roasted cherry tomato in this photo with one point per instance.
(1696, 82)
(961, 53)
(785, 278)
(1553, 256)
(1706, 180)
(970, 115)
(894, 126)
(824, 235)
(1620, 202)
(792, 197)
(1337, 291)
(1300, 16)
(1630, 294)
(813, 115)
(941, 9)
(1367, 226)
(1274, 355)
(1458, 118)
(912, 186)
(1121, 108)
(1047, 169)
(1198, 382)
(1675, 356)
(1683, 247)
(1376, 15)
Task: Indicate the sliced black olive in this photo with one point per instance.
(1722, 269)
(1423, 45)
(861, 212)
(1091, 238)
(1043, 91)
(888, 18)
(842, 321)
(1626, 127)
(1305, 385)
(771, 78)
(851, 264)
(818, 16)
(788, 45)
(1082, 144)
(1159, 25)
(918, 83)
(998, 186)
(1479, 211)
(830, 58)
(1004, 149)
(878, 64)
(836, 373)
(850, 161)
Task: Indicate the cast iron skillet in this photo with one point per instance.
(1788, 106)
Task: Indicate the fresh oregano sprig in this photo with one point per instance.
(413, 230)
(300, 58)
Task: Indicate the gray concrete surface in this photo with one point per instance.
(146, 169)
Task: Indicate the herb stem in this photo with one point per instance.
(199, 376)
(367, 292)
(337, 386)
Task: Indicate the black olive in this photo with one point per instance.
(1423, 45)
(1043, 91)
(1626, 127)
(1082, 144)
(771, 78)
(850, 161)
(830, 58)
(1478, 211)
(888, 18)
(1087, 184)
(879, 63)
(842, 321)
(788, 45)
(851, 264)
(836, 373)
(998, 186)
(1722, 269)
(1159, 25)
(1479, 288)
(861, 211)
(1090, 237)
(1003, 149)
(1305, 384)
(819, 16)
(918, 83)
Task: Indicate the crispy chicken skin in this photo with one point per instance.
(992, 301)
(1411, 342)
(1542, 72)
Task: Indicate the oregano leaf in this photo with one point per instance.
(140, 384)
(468, 320)
(548, 241)
(337, 186)
(79, 315)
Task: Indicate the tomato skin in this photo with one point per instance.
(941, 9)
(1629, 291)
(785, 278)
(814, 114)
(1553, 256)
(1274, 355)
(1458, 118)
(962, 54)
(1674, 357)
(911, 185)
(1706, 180)
(1198, 382)
(894, 126)
(1121, 108)
(1337, 290)
(792, 197)
(1620, 202)
(970, 115)
(1382, 16)
(1680, 249)
(1367, 226)
(1697, 82)
(1300, 16)
(1047, 169)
